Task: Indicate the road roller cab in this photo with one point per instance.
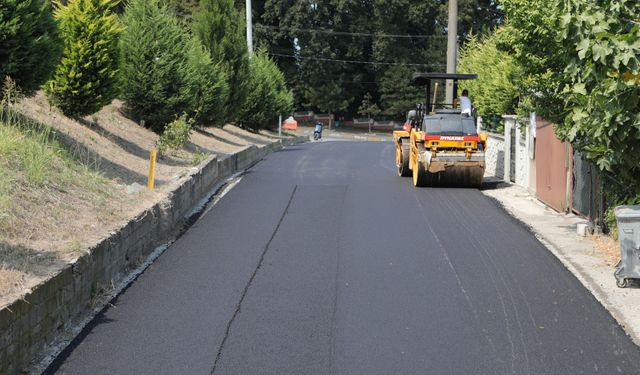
(440, 145)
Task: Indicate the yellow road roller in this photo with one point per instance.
(439, 146)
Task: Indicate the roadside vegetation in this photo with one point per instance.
(42, 184)
(84, 80)
(576, 63)
(81, 84)
(29, 43)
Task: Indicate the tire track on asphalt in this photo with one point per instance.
(467, 297)
(253, 276)
(494, 271)
(445, 253)
(475, 221)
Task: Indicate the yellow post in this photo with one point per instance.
(152, 169)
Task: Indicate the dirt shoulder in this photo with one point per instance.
(52, 224)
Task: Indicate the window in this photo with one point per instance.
(450, 125)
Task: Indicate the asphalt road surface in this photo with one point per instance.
(323, 261)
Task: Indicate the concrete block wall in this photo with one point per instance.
(29, 325)
(522, 160)
(494, 156)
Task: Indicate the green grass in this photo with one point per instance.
(199, 157)
(27, 153)
(32, 160)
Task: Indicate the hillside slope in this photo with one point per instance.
(67, 184)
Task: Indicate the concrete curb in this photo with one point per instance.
(50, 313)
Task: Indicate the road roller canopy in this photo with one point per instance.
(426, 79)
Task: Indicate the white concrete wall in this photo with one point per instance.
(497, 155)
(522, 157)
(494, 156)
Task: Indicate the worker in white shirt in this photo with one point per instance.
(465, 103)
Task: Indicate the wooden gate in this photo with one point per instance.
(552, 167)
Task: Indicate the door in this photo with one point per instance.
(551, 167)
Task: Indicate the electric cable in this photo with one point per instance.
(356, 61)
(346, 33)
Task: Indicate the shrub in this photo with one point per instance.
(602, 86)
(84, 80)
(175, 135)
(220, 28)
(269, 94)
(153, 63)
(494, 92)
(532, 37)
(209, 88)
(29, 44)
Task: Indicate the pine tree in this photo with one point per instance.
(220, 28)
(397, 94)
(269, 95)
(323, 81)
(183, 9)
(209, 87)
(29, 45)
(268, 34)
(312, 40)
(85, 79)
(155, 81)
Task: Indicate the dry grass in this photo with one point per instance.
(49, 203)
(63, 186)
(608, 248)
(43, 186)
(12, 281)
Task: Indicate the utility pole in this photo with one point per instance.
(249, 28)
(452, 47)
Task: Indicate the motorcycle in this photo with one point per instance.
(317, 133)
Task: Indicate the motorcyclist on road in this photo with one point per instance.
(317, 133)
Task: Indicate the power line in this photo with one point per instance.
(333, 32)
(355, 61)
(353, 82)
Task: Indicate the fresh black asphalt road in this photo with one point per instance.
(323, 261)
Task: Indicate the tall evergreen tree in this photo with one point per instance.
(345, 49)
(220, 28)
(156, 85)
(315, 40)
(270, 33)
(269, 95)
(183, 10)
(29, 45)
(85, 78)
(209, 87)
(475, 16)
(397, 94)
(408, 37)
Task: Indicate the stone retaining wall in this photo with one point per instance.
(494, 156)
(28, 325)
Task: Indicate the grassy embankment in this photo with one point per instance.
(42, 185)
(66, 185)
